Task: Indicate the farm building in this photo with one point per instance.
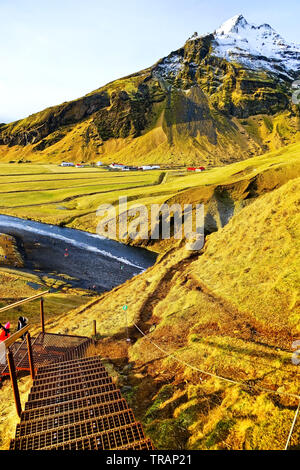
(67, 164)
(196, 169)
(116, 166)
(149, 167)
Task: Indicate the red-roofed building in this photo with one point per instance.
(199, 168)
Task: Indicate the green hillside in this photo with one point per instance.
(70, 197)
(231, 310)
(211, 112)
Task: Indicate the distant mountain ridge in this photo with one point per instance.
(220, 98)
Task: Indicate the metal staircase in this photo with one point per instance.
(74, 405)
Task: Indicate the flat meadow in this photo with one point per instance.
(70, 196)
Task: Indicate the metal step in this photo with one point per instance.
(60, 391)
(74, 405)
(81, 423)
(65, 365)
(88, 392)
(27, 426)
(63, 382)
(55, 410)
(68, 374)
(108, 440)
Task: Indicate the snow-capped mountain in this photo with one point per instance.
(236, 40)
(255, 46)
(221, 97)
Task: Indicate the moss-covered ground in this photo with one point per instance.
(231, 310)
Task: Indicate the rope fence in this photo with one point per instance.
(235, 382)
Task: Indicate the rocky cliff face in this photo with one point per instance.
(36, 127)
(221, 97)
(10, 254)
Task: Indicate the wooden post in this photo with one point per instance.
(30, 356)
(42, 315)
(94, 332)
(13, 378)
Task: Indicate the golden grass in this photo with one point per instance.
(71, 197)
(231, 309)
(211, 314)
(8, 414)
(16, 285)
(263, 276)
(9, 253)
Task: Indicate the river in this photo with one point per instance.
(77, 258)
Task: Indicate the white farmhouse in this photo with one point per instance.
(67, 164)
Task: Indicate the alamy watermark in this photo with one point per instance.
(296, 92)
(155, 222)
(296, 344)
(296, 354)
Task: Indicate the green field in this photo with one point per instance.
(208, 310)
(71, 196)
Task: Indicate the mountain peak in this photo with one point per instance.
(232, 25)
(259, 47)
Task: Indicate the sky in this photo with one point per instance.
(53, 51)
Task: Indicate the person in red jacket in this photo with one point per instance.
(5, 333)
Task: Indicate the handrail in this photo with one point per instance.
(24, 301)
(11, 339)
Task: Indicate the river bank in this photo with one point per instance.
(75, 258)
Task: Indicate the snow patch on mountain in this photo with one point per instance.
(170, 65)
(236, 40)
(259, 47)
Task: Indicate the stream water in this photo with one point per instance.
(88, 261)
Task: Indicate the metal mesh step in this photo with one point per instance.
(93, 444)
(50, 378)
(72, 370)
(70, 396)
(60, 391)
(28, 426)
(78, 424)
(108, 440)
(62, 382)
(104, 398)
(66, 365)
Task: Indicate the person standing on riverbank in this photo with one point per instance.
(22, 322)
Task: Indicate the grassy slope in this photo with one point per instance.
(17, 284)
(232, 310)
(71, 197)
(173, 133)
(251, 136)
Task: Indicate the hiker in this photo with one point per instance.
(5, 333)
(21, 323)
